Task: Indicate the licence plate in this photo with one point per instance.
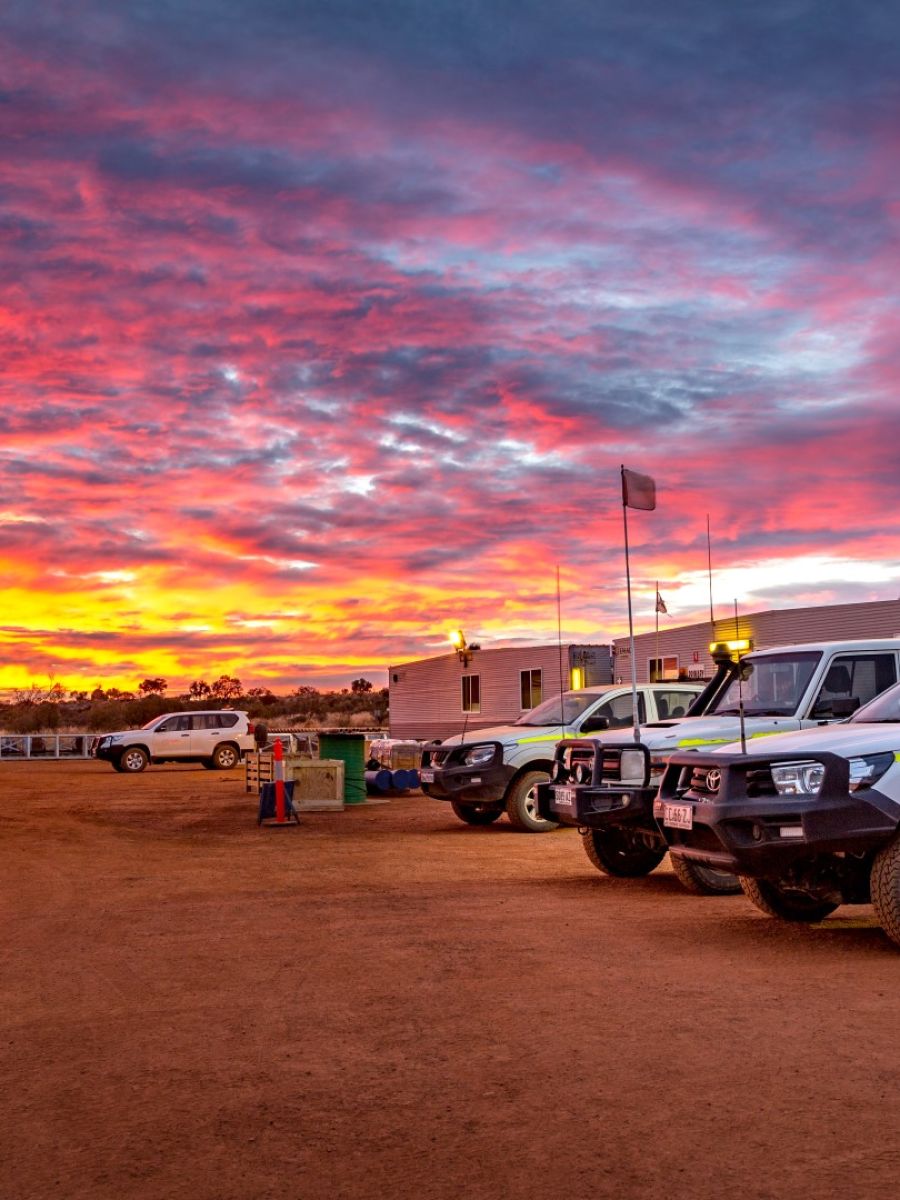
(563, 797)
(426, 776)
(678, 816)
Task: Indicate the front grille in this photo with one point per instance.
(705, 781)
(611, 765)
(439, 757)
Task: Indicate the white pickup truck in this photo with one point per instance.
(808, 820)
(606, 787)
(495, 770)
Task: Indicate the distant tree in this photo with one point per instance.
(227, 687)
(78, 697)
(153, 687)
(305, 692)
(360, 686)
(262, 695)
(199, 689)
(98, 693)
(381, 706)
(56, 693)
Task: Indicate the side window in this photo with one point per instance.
(225, 720)
(530, 683)
(471, 693)
(175, 724)
(618, 711)
(206, 721)
(860, 677)
(673, 704)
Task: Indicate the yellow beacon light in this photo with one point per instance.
(458, 639)
(735, 648)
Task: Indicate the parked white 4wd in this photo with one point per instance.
(496, 770)
(217, 739)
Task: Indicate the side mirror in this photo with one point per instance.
(595, 724)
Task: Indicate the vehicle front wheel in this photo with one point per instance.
(701, 880)
(208, 764)
(476, 814)
(615, 852)
(884, 884)
(788, 904)
(521, 804)
(116, 765)
(225, 757)
(133, 759)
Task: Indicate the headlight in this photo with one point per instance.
(798, 778)
(866, 769)
(631, 767)
(478, 756)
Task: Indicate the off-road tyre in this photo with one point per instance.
(133, 759)
(476, 814)
(787, 904)
(521, 806)
(700, 880)
(208, 764)
(225, 756)
(116, 765)
(884, 884)
(617, 853)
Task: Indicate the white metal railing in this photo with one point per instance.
(18, 746)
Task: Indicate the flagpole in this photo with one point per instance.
(634, 695)
(712, 620)
(562, 702)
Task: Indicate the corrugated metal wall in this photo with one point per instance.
(777, 627)
(426, 695)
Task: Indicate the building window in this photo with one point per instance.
(530, 688)
(663, 668)
(471, 693)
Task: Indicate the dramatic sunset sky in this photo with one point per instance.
(326, 324)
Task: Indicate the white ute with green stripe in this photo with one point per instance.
(606, 786)
(487, 772)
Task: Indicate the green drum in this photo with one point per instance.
(350, 748)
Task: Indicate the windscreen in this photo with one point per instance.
(556, 711)
(772, 686)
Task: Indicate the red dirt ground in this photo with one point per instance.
(386, 1003)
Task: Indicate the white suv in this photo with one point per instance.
(217, 739)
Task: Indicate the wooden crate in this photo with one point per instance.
(318, 782)
(406, 756)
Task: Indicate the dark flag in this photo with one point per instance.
(638, 491)
(660, 603)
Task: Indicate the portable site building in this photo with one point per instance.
(683, 653)
(437, 697)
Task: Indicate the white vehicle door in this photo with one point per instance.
(208, 732)
(171, 737)
(618, 710)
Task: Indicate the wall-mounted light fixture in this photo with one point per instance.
(463, 650)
